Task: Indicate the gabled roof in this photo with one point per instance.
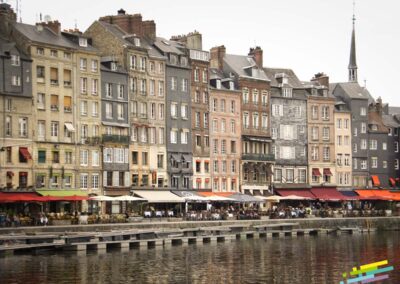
(354, 91)
(168, 46)
(375, 118)
(47, 36)
(240, 64)
(390, 121)
(293, 80)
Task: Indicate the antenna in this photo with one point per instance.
(76, 23)
(20, 11)
(365, 83)
(354, 9)
(40, 17)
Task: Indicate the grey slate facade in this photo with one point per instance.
(357, 100)
(289, 130)
(178, 114)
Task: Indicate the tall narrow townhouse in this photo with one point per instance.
(178, 113)
(357, 99)
(57, 89)
(321, 138)
(343, 145)
(391, 119)
(225, 133)
(378, 152)
(199, 91)
(88, 111)
(129, 41)
(115, 136)
(249, 77)
(289, 129)
(15, 115)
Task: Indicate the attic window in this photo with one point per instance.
(284, 80)
(218, 84)
(286, 92)
(113, 66)
(165, 42)
(83, 41)
(137, 41)
(374, 127)
(231, 85)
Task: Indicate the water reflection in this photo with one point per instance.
(319, 259)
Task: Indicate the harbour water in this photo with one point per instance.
(319, 259)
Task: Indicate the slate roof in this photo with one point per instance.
(394, 110)
(239, 64)
(168, 46)
(354, 91)
(7, 46)
(293, 80)
(390, 120)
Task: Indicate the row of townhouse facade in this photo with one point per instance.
(117, 108)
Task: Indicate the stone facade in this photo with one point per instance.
(225, 134)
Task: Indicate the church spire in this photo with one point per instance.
(352, 63)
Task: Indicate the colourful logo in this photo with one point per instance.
(367, 273)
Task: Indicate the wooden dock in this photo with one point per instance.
(144, 239)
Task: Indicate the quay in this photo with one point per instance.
(165, 234)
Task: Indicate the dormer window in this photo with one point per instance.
(374, 127)
(15, 60)
(286, 92)
(173, 59)
(218, 84)
(113, 66)
(325, 93)
(231, 85)
(136, 40)
(284, 80)
(184, 61)
(83, 42)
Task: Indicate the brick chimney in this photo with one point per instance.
(257, 54)
(217, 57)
(7, 18)
(321, 78)
(55, 26)
(132, 24)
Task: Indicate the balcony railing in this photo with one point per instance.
(258, 157)
(124, 139)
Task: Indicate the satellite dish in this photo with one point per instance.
(47, 18)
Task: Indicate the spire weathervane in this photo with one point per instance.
(353, 62)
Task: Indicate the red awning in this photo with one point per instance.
(198, 179)
(327, 172)
(198, 161)
(10, 174)
(380, 194)
(316, 172)
(306, 193)
(24, 152)
(392, 181)
(20, 197)
(207, 180)
(328, 194)
(375, 180)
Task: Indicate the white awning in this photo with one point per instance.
(155, 196)
(118, 124)
(69, 126)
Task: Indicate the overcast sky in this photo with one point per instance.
(309, 36)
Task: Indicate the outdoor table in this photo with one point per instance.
(147, 214)
(170, 213)
(158, 214)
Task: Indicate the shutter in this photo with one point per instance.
(294, 132)
(282, 131)
(115, 178)
(281, 110)
(115, 155)
(126, 156)
(126, 179)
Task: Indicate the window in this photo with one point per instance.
(314, 133)
(215, 125)
(23, 127)
(40, 51)
(374, 162)
(223, 125)
(224, 166)
(396, 146)
(95, 109)
(205, 97)
(67, 55)
(277, 110)
(152, 87)
(15, 60)
(355, 164)
(83, 85)
(184, 137)
(184, 111)
(197, 119)
(161, 88)
(384, 164)
(355, 131)
(255, 120)
(215, 104)
(198, 166)
(161, 111)
(339, 123)
(161, 135)
(325, 133)
(314, 153)
(326, 153)
(54, 129)
(223, 146)
(198, 141)
(245, 95)
(41, 130)
(174, 136)
(84, 157)
(233, 126)
(396, 164)
(121, 91)
(363, 111)
(289, 175)
(83, 42)
(95, 181)
(346, 140)
(16, 80)
(143, 87)
(339, 159)
(84, 107)
(174, 110)
(206, 141)
(135, 158)
(160, 161)
(346, 123)
(84, 181)
(145, 159)
(56, 157)
(364, 164)
(83, 64)
(339, 140)
(196, 74)
(173, 83)
(246, 123)
(384, 146)
(302, 176)
(287, 152)
(120, 111)
(347, 160)
(84, 131)
(40, 74)
(143, 134)
(363, 144)
(278, 175)
(314, 112)
(109, 112)
(206, 120)
(286, 92)
(68, 157)
(215, 147)
(205, 76)
(255, 97)
(264, 98)
(373, 144)
(363, 127)
(325, 113)
(215, 166)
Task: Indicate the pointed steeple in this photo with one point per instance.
(353, 62)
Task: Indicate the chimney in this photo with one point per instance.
(217, 55)
(379, 106)
(55, 26)
(149, 29)
(194, 40)
(7, 18)
(257, 54)
(121, 12)
(322, 79)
